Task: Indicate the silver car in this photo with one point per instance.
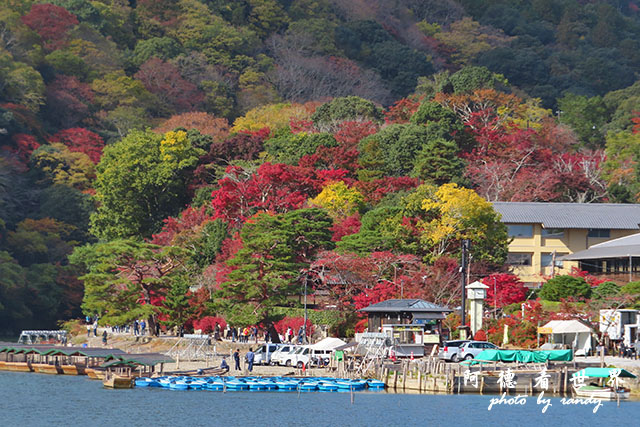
(470, 349)
(450, 350)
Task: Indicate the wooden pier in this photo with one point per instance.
(433, 375)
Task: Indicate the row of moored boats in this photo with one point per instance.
(216, 383)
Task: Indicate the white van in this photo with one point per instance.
(282, 356)
(265, 352)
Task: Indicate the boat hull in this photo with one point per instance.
(601, 393)
(42, 368)
(118, 382)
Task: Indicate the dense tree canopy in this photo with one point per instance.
(211, 129)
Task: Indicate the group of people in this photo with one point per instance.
(249, 359)
(288, 336)
(629, 351)
(241, 335)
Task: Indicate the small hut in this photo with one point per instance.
(414, 324)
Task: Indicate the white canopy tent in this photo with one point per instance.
(571, 333)
(327, 344)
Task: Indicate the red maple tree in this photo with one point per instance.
(51, 23)
(508, 289)
(81, 140)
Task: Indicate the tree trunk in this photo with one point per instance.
(275, 338)
(152, 325)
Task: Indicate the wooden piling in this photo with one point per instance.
(404, 376)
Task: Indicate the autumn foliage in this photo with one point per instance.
(50, 22)
(81, 140)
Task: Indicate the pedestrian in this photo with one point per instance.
(254, 334)
(250, 356)
(289, 334)
(143, 326)
(234, 334)
(104, 338)
(236, 359)
(95, 328)
(223, 364)
(216, 333)
(300, 334)
(88, 330)
(136, 327)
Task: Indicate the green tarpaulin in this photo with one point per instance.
(524, 356)
(602, 373)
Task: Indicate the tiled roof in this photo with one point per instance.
(408, 305)
(571, 215)
(624, 247)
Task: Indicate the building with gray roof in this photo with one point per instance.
(544, 234)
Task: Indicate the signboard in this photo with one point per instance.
(542, 330)
(431, 339)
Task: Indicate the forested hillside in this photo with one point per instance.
(177, 159)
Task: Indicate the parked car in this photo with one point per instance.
(265, 352)
(301, 357)
(283, 354)
(449, 350)
(470, 349)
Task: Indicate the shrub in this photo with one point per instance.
(606, 289)
(208, 324)
(565, 287)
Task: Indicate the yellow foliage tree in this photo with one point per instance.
(58, 165)
(173, 144)
(454, 213)
(468, 38)
(339, 200)
(273, 116)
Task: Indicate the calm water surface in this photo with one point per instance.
(44, 400)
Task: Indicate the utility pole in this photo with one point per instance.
(304, 326)
(463, 277)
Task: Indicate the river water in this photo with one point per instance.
(39, 400)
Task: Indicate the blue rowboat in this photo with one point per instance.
(327, 386)
(165, 382)
(179, 385)
(256, 385)
(197, 385)
(237, 385)
(215, 385)
(375, 385)
(308, 386)
(143, 382)
(286, 386)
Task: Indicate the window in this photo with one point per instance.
(519, 258)
(599, 232)
(545, 259)
(553, 233)
(520, 230)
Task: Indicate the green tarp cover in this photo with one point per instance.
(602, 373)
(524, 356)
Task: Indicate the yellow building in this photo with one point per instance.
(543, 232)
